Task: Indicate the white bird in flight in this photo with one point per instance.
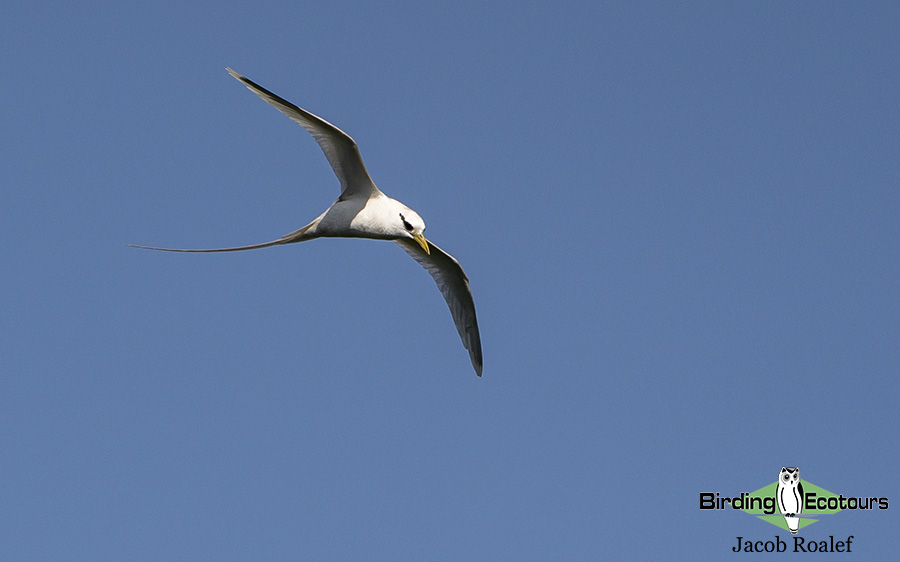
(363, 211)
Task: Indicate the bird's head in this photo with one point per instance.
(412, 226)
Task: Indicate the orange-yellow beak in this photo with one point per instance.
(420, 238)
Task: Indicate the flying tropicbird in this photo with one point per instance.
(363, 211)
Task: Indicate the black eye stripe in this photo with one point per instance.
(406, 224)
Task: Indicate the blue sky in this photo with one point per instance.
(680, 224)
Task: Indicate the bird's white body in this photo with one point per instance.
(363, 211)
(359, 219)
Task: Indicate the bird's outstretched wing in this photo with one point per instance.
(454, 285)
(340, 150)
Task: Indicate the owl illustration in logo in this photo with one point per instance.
(790, 497)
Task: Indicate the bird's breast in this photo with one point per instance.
(357, 219)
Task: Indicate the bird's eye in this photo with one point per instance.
(406, 224)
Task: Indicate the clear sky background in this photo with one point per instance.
(681, 224)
